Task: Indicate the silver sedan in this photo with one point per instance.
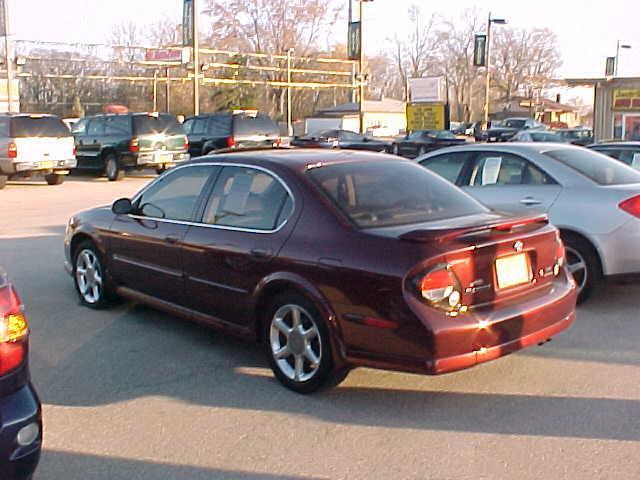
(593, 199)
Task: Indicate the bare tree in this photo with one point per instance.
(414, 54)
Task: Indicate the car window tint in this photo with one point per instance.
(188, 125)
(155, 124)
(248, 198)
(197, 126)
(630, 157)
(258, 125)
(80, 128)
(174, 196)
(349, 136)
(381, 194)
(514, 123)
(35, 126)
(497, 168)
(600, 168)
(415, 135)
(117, 126)
(4, 126)
(96, 126)
(220, 125)
(447, 165)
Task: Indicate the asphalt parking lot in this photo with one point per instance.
(131, 393)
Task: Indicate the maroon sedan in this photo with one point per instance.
(332, 259)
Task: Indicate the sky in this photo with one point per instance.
(587, 30)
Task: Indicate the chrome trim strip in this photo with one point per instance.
(154, 268)
(217, 285)
(206, 225)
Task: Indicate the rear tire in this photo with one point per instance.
(112, 168)
(54, 179)
(395, 149)
(298, 345)
(3, 181)
(584, 264)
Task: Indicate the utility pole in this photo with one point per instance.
(196, 60)
(155, 90)
(8, 61)
(487, 89)
(361, 69)
(289, 114)
(168, 91)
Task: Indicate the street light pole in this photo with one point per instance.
(618, 47)
(196, 60)
(289, 114)
(361, 72)
(8, 61)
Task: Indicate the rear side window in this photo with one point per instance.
(258, 125)
(23, 127)
(155, 124)
(447, 165)
(220, 125)
(248, 198)
(4, 126)
(382, 194)
(600, 168)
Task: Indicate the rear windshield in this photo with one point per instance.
(384, 194)
(598, 167)
(258, 125)
(23, 127)
(151, 124)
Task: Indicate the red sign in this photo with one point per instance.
(163, 55)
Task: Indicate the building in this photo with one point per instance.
(616, 108)
(544, 110)
(386, 114)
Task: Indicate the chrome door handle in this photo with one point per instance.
(172, 239)
(530, 201)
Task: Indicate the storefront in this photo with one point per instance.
(616, 107)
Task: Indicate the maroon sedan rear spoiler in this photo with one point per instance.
(448, 234)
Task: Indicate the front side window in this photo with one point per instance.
(447, 165)
(347, 136)
(600, 168)
(248, 198)
(175, 195)
(497, 168)
(382, 194)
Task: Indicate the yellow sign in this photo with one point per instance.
(626, 99)
(425, 117)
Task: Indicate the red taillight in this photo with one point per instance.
(560, 253)
(134, 145)
(13, 150)
(231, 142)
(75, 150)
(186, 144)
(278, 142)
(440, 287)
(631, 206)
(13, 330)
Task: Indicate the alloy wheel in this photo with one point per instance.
(296, 344)
(577, 265)
(89, 276)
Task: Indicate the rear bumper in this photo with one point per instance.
(161, 158)
(618, 258)
(18, 167)
(17, 411)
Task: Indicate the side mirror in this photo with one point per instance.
(122, 206)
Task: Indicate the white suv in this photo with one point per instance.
(35, 145)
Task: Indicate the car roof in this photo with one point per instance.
(294, 158)
(28, 115)
(508, 147)
(613, 143)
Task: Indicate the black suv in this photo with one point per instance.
(220, 131)
(113, 143)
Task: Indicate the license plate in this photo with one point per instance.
(163, 158)
(47, 164)
(513, 270)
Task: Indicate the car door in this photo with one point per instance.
(510, 183)
(93, 143)
(244, 226)
(146, 247)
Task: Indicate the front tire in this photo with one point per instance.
(112, 168)
(297, 344)
(54, 179)
(584, 265)
(395, 149)
(90, 277)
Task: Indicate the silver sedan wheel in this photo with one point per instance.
(89, 276)
(111, 168)
(296, 344)
(578, 267)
